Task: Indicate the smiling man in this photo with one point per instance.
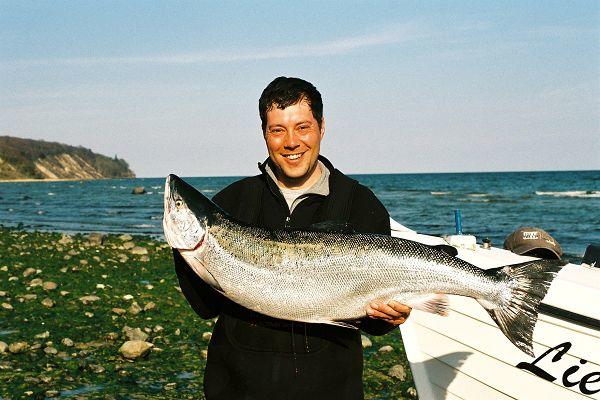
(252, 356)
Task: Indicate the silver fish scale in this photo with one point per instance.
(320, 277)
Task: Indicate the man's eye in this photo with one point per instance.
(276, 131)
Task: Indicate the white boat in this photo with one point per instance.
(466, 356)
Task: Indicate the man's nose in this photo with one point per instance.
(291, 141)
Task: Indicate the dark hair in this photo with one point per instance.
(284, 92)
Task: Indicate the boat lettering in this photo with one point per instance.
(561, 350)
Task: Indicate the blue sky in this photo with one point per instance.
(407, 86)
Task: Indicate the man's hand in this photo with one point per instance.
(392, 312)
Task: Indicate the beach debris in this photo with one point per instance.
(397, 371)
(48, 302)
(89, 299)
(96, 238)
(49, 285)
(138, 250)
(385, 349)
(134, 333)
(29, 271)
(366, 342)
(138, 190)
(133, 349)
(18, 347)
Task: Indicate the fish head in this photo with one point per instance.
(186, 214)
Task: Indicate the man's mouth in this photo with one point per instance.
(294, 156)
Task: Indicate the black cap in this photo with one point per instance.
(535, 242)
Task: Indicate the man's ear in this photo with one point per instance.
(322, 127)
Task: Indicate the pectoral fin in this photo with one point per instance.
(436, 303)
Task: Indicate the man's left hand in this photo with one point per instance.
(393, 312)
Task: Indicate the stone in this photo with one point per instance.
(149, 306)
(204, 353)
(135, 308)
(135, 333)
(170, 386)
(149, 286)
(30, 296)
(125, 237)
(397, 371)
(67, 342)
(412, 392)
(48, 285)
(138, 250)
(48, 302)
(36, 282)
(112, 336)
(88, 314)
(7, 306)
(386, 349)
(366, 342)
(83, 262)
(18, 347)
(50, 350)
(206, 336)
(119, 311)
(100, 286)
(157, 329)
(128, 245)
(64, 293)
(89, 299)
(177, 332)
(138, 190)
(42, 335)
(3, 293)
(66, 239)
(133, 349)
(128, 297)
(97, 369)
(51, 393)
(96, 238)
(28, 272)
(3, 347)
(145, 259)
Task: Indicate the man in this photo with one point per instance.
(252, 356)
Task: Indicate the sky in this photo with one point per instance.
(407, 86)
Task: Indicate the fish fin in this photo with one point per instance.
(451, 251)
(436, 303)
(332, 227)
(525, 285)
(339, 323)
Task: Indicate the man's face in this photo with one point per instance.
(293, 138)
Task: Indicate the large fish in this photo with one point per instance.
(331, 277)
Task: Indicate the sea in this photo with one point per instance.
(493, 204)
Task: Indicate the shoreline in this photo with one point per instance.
(57, 179)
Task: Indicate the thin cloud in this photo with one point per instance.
(394, 35)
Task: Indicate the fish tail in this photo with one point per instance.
(523, 287)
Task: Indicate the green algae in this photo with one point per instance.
(92, 368)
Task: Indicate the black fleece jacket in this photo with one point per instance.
(252, 356)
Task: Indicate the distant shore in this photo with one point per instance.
(55, 179)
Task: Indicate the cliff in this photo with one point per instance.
(38, 159)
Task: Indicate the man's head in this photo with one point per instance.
(291, 111)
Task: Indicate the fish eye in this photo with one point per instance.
(178, 203)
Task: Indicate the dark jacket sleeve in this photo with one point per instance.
(368, 215)
(204, 300)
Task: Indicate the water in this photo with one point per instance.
(566, 204)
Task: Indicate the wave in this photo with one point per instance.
(144, 226)
(440, 193)
(571, 193)
(478, 194)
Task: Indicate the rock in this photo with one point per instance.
(204, 353)
(3, 293)
(148, 286)
(83, 262)
(48, 302)
(119, 311)
(28, 272)
(397, 371)
(133, 349)
(4, 268)
(135, 334)
(30, 296)
(135, 308)
(149, 306)
(42, 335)
(96, 238)
(128, 245)
(112, 336)
(64, 293)
(66, 239)
(36, 282)
(51, 393)
(18, 347)
(89, 299)
(88, 314)
(125, 238)
(177, 332)
(13, 278)
(386, 349)
(412, 392)
(7, 306)
(67, 342)
(206, 336)
(100, 286)
(139, 250)
(157, 329)
(64, 270)
(170, 386)
(3, 347)
(128, 297)
(50, 350)
(366, 342)
(48, 285)
(97, 369)
(145, 259)
(138, 190)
